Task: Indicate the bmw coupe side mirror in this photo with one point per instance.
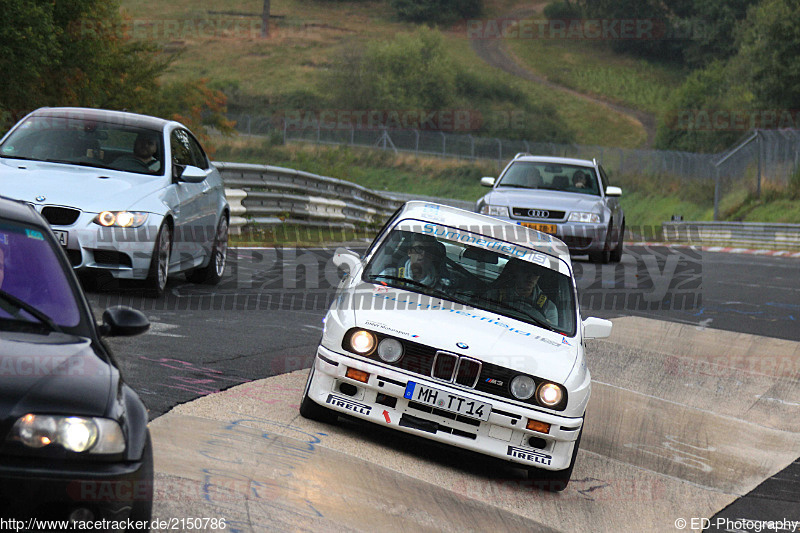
(192, 174)
(346, 259)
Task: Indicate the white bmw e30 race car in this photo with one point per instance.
(463, 329)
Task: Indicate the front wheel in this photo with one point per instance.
(211, 274)
(142, 510)
(616, 254)
(555, 480)
(159, 264)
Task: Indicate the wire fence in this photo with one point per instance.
(766, 155)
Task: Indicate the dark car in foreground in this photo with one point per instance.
(570, 199)
(74, 443)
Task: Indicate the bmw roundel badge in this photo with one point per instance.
(462, 345)
(41, 198)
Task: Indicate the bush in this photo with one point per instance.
(436, 11)
(562, 10)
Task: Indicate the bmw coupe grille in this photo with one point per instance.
(60, 216)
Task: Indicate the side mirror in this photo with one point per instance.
(122, 321)
(613, 191)
(596, 328)
(487, 181)
(192, 174)
(344, 258)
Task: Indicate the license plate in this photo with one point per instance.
(62, 236)
(446, 401)
(544, 228)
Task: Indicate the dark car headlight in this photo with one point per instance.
(121, 219)
(74, 433)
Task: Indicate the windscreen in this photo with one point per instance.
(30, 271)
(536, 175)
(88, 142)
(477, 271)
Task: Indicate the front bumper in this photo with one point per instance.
(578, 236)
(381, 400)
(125, 253)
(53, 489)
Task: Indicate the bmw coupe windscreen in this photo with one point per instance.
(26, 301)
(87, 141)
(516, 284)
(534, 175)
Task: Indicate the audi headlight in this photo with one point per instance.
(74, 433)
(362, 342)
(588, 218)
(549, 394)
(121, 219)
(495, 211)
(523, 387)
(390, 350)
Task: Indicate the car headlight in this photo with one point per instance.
(121, 219)
(362, 342)
(589, 218)
(74, 433)
(549, 394)
(523, 387)
(495, 211)
(390, 350)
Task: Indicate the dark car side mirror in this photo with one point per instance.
(123, 321)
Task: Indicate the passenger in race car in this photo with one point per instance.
(424, 264)
(517, 287)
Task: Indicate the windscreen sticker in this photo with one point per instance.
(33, 234)
(490, 244)
(4, 238)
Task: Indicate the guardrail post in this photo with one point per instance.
(444, 143)
(416, 141)
(758, 157)
(716, 194)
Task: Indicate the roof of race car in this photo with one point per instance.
(484, 225)
(556, 160)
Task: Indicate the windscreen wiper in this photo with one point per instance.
(14, 305)
(539, 322)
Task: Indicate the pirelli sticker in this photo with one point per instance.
(350, 405)
(529, 455)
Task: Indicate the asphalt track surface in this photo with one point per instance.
(702, 373)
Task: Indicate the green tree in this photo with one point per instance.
(768, 45)
(436, 11)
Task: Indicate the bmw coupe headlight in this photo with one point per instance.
(121, 219)
(549, 394)
(390, 350)
(495, 211)
(523, 387)
(588, 218)
(74, 433)
(362, 342)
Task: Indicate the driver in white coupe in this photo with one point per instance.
(517, 286)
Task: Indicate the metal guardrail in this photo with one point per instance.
(264, 194)
(737, 234)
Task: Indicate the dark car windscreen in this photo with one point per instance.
(30, 271)
(87, 142)
(542, 175)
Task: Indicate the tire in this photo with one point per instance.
(159, 264)
(555, 480)
(311, 409)
(616, 254)
(212, 273)
(604, 256)
(142, 510)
